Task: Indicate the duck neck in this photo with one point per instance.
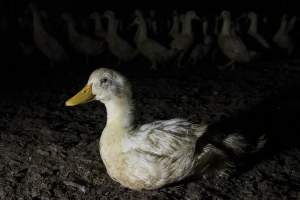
(253, 25)
(175, 26)
(112, 25)
(226, 27)
(216, 27)
(120, 114)
(37, 24)
(282, 27)
(204, 28)
(142, 31)
(187, 26)
(71, 28)
(98, 24)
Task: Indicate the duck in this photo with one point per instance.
(45, 42)
(231, 44)
(252, 31)
(118, 46)
(159, 153)
(282, 37)
(149, 48)
(202, 49)
(175, 28)
(184, 41)
(82, 43)
(152, 23)
(99, 29)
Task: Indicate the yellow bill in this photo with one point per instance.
(83, 96)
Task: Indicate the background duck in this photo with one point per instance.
(175, 28)
(184, 41)
(153, 155)
(253, 32)
(46, 43)
(99, 29)
(231, 44)
(282, 38)
(149, 48)
(118, 46)
(204, 48)
(80, 42)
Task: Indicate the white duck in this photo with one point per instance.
(46, 43)
(80, 42)
(117, 45)
(153, 155)
(149, 48)
(183, 41)
(282, 37)
(231, 44)
(252, 31)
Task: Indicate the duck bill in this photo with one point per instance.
(85, 95)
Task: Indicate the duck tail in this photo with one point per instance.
(238, 144)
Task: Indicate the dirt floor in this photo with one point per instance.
(49, 151)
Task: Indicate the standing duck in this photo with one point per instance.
(151, 49)
(252, 31)
(184, 41)
(204, 48)
(80, 42)
(231, 44)
(45, 42)
(282, 38)
(175, 28)
(152, 23)
(99, 30)
(117, 45)
(150, 156)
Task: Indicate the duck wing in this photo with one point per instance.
(170, 138)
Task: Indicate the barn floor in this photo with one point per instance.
(49, 151)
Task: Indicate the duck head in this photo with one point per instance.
(67, 17)
(225, 14)
(94, 15)
(252, 15)
(104, 85)
(192, 15)
(109, 14)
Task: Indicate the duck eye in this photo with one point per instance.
(104, 80)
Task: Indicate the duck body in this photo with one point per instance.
(151, 155)
(234, 48)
